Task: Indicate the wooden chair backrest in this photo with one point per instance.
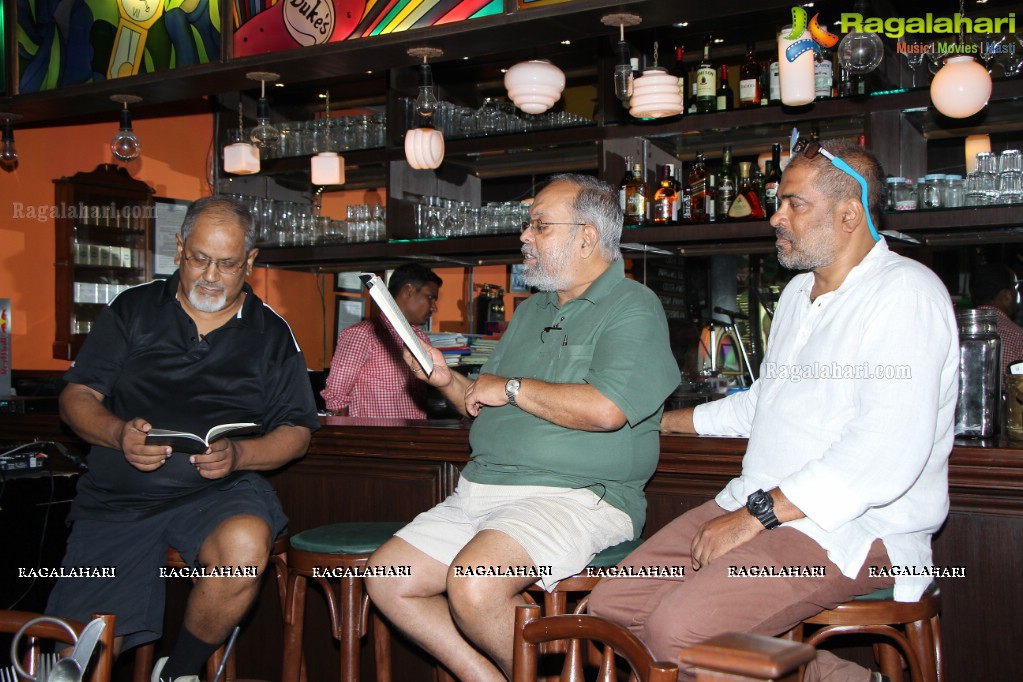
(532, 630)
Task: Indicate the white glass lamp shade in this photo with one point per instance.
(961, 88)
(424, 148)
(535, 85)
(655, 94)
(975, 144)
(241, 158)
(796, 77)
(328, 168)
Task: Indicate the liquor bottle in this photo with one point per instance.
(747, 202)
(711, 199)
(685, 206)
(726, 184)
(724, 93)
(666, 198)
(706, 83)
(749, 80)
(774, 80)
(698, 190)
(624, 183)
(823, 74)
(636, 197)
(772, 181)
(765, 83)
(680, 72)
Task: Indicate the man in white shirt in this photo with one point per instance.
(850, 426)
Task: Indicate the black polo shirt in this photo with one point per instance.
(146, 357)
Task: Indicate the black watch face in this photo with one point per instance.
(759, 503)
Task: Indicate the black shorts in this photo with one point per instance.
(137, 550)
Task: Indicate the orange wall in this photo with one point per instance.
(174, 162)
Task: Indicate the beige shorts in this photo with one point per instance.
(560, 528)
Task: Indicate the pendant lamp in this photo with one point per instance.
(327, 167)
(241, 157)
(534, 86)
(424, 145)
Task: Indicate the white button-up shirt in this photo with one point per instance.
(852, 416)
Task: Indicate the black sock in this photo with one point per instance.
(187, 657)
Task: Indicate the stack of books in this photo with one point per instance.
(453, 346)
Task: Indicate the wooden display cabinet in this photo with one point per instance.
(104, 223)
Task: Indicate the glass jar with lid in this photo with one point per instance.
(901, 195)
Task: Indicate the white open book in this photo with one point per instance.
(182, 441)
(390, 309)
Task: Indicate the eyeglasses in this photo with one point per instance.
(539, 227)
(226, 267)
(811, 148)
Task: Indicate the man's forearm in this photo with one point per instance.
(82, 409)
(678, 421)
(573, 406)
(454, 392)
(273, 450)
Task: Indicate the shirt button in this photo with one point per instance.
(193, 338)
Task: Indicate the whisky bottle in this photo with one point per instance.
(725, 99)
(636, 198)
(711, 199)
(666, 198)
(823, 74)
(684, 203)
(772, 181)
(680, 72)
(726, 184)
(749, 80)
(747, 202)
(706, 83)
(623, 185)
(698, 190)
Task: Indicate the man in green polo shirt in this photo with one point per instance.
(565, 437)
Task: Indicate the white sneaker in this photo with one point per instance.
(158, 668)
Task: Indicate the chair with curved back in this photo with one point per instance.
(101, 662)
(532, 630)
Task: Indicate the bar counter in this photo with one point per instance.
(389, 470)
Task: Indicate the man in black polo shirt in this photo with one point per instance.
(188, 353)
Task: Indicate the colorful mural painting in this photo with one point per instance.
(262, 27)
(69, 42)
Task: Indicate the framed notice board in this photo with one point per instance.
(170, 213)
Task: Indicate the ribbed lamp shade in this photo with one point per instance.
(328, 168)
(535, 85)
(961, 88)
(655, 94)
(424, 148)
(241, 158)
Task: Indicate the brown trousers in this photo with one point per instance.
(675, 612)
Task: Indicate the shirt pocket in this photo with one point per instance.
(571, 364)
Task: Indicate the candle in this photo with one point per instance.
(974, 145)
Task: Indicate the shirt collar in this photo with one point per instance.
(872, 260)
(598, 290)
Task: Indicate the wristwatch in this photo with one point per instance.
(512, 388)
(761, 505)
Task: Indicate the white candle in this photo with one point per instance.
(796, 77)
(974, 145)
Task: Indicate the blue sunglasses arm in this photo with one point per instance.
(840, 163)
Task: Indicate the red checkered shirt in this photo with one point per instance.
(1012, 339)
(369, 377)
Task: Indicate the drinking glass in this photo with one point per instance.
(912, 50)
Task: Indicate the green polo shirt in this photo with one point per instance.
(613, 337)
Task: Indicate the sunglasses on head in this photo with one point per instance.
(811, 148)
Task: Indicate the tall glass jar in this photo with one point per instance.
(980, 374)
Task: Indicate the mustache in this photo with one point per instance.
(784, 234)
(209, 285)
(527, 251)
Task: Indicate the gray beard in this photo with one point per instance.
(204, 303)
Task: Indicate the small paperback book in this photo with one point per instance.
(392, 312)
(182, 441)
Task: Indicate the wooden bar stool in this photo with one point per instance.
(913, 627)
(146, 653)
(555, 603)
(338, 546)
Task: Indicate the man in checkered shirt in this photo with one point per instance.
(996, 287)
(368, 377)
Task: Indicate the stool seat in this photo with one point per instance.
(336, 545)
(612, 556)
(345, 538)
(910, 631)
